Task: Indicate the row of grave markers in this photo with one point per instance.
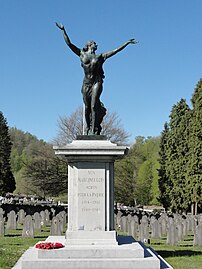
(174, 227)
(32, 223)
(141, 226)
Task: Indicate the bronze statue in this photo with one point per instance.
(93, 79)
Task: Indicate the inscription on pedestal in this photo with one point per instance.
(91, 197)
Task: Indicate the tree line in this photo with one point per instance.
(180, 172)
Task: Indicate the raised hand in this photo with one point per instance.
(132, 41)
(60, 26)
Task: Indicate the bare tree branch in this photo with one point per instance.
(70, 127)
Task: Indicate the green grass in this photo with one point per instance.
(182, 256)
(12, 245)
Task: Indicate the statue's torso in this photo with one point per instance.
(92, 65)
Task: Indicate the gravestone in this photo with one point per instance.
(152, 220)
(189, 224)
(11, 222)
(172, 236)
(179, 227)
(62, 217)
(21, 216)
(55, 226)
(193, 223)
(47, 217)
(198, 236)
(61, 221)
(184, 226)
(118, 220)
(129, 218)
(144, 229)
(200, 218)
(28, 227)
(1, 211)
(163, 222)
(134, 227)
(124, 223)
(37, 221)
(156, 229)
(43, 218)
(136, 218)
(2, 228)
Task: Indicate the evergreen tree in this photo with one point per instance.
(165, 183)
(194, 178)
(178, 155)
(7, 181)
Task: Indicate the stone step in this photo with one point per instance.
(132, 251)
(119, 263)
(134, 255)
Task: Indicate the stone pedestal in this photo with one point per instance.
(91, 190)
(91, 241)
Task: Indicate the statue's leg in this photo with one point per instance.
(87, 104)
(96, 91)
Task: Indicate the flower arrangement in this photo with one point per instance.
(49, 245)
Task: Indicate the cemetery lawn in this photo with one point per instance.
(181, 256)
(13, 245)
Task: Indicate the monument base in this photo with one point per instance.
(128, 254)
(91, 238)
(91, 241)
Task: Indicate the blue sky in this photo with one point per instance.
(40, 78)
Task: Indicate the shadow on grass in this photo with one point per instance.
(12, 235)
(177, 253)
(40, 237)
(20, 236)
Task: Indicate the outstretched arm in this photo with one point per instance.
(74, 48)
(113, 52)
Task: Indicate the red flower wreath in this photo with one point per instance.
(49, 245)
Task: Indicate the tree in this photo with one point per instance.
(47, 174)
(178, 154)
(147, 190)
(126, 174)
(70, 127)
(125, 177)
(165, 183)
(181, 156)
(25, 148)
(194, 177)
(174, 158)
(136, 177)
(7, 181)
(144, 183)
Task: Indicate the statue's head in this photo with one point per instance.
(90, 44)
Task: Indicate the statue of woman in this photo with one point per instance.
(93, 79)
